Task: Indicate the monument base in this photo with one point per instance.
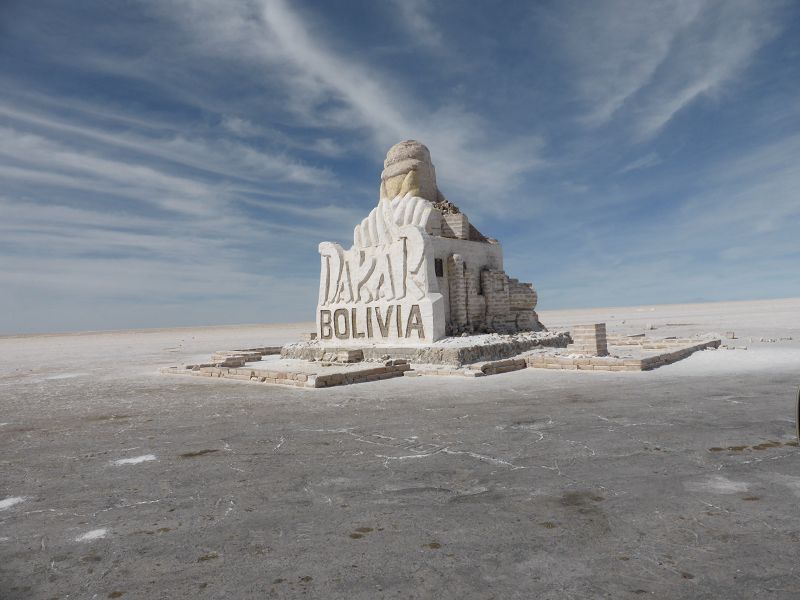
(310, 365)
(452, 351)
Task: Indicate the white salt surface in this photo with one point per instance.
(94, 534)
(30, 359)
(790, 481)
(749, 321)
(139, 355)
(754, 359)
(755, 318)
(9, 502)
(135, 460)
(269, 358)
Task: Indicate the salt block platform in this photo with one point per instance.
(582, 362)
(298, 373)
(329, 367)
(547, 359)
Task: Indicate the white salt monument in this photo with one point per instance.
(418, 270)
(423, 292)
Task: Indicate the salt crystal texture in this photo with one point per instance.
(9, 502)
(94, 534)
(135, 460)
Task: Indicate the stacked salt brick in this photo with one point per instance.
(589, 339)
(391, 368)
(495, 288)
(456, 226)
(458, 294)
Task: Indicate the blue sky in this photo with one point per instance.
(177, 163)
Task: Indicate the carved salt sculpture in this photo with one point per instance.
(418, 270)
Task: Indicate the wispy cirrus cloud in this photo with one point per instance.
(415, 17)
(649, 160)
(753, 194)
(645, 62)
(337, 90)
(139, 217)
(220, 156)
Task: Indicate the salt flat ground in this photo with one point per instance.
(119, 482)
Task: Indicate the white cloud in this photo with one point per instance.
(241, 127)
(328, 147)
(219, 156)
(711, 53)
(201, 196)
(756, 193)
(51, 158)
(414, 15)
(646, 61)
(644, 162)
(617, 46)
(325, 86)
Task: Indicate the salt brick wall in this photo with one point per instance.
(590, 339)
(495, 289)
(476, 304)
(458, 291)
